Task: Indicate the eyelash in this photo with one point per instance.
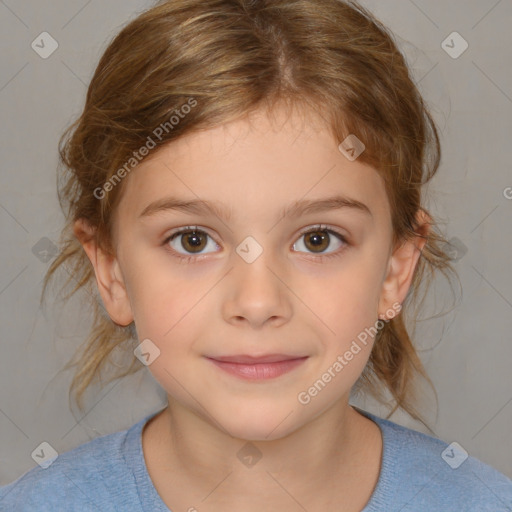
(313, 229)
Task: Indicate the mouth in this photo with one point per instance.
(257, 368)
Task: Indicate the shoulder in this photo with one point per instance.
(94, 476)
(421, 472)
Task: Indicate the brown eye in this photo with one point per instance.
(319, 240)
(190, 241)
(193, 241)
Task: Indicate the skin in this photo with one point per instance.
(287, 301)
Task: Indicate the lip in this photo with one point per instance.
(265, 367)
(248, 359)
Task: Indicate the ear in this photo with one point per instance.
(402, 265)
(108, 275)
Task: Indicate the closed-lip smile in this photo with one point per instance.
(247, 359)
(263, 367)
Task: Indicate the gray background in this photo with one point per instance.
(467, 352)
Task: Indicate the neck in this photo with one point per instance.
(340, 445)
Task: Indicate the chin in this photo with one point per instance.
(257, 432)
(260, 423)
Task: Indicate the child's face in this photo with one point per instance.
(287, 301)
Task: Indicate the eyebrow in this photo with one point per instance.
(297, 208)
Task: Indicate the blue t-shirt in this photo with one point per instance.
(418, 473)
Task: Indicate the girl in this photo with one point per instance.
(245, 188)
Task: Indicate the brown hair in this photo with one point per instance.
(232, 57)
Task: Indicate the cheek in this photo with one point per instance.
(163, 315)
(163, 295)
(172, 316)
(345, 301)
(347, 304)
(176, 314)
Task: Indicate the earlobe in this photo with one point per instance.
(402, 265)
(108, 275)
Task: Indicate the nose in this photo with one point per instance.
(255, 294)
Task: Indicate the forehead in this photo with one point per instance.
(254, 166)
